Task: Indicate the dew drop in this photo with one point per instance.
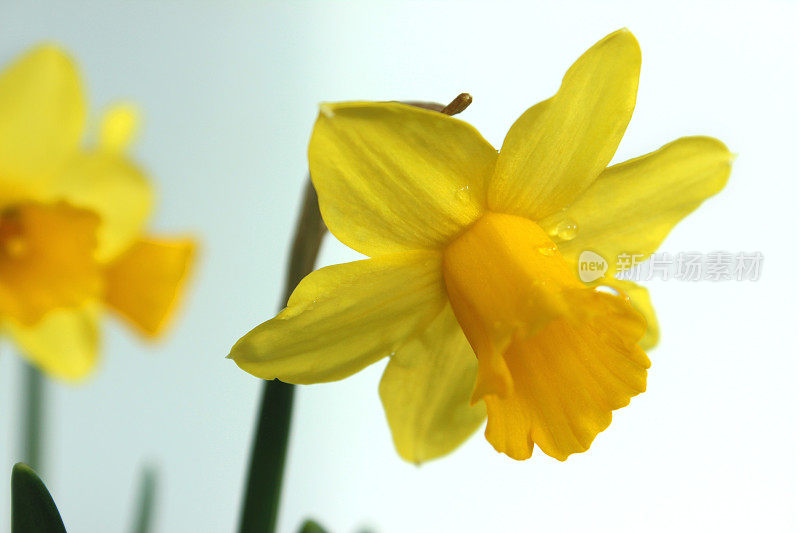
(607, 289)
(463, 193)
(551, 224)
(567, 229)
(613, 290)
(547, 250)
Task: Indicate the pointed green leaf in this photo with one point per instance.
(310, 526)
(32, 507)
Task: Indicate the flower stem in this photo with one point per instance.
(32, 417)
(146, 503)
(268, 455)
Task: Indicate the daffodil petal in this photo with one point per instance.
(640, 299)
(145, 284)
(119, 127)
(557, 148)
(114, 188)
(64, 344)
(632, 206)
(344, 317)
(426, 390)
(568, 379)
(42, 117)
(392, 177)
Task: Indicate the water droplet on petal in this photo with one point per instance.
(547, 250)
(612, 290)
(463, 193)
(567, 229)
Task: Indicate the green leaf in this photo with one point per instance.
(310, 526)
(32, 507)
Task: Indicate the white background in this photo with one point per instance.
(229, 93)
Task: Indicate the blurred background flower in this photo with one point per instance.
(72, 221)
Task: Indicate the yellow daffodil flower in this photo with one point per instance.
(72, 221)
(472, 286)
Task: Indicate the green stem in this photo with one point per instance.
(268, 455)
(32, 417)
(144, 511)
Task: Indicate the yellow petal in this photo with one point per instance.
(146, 282)
(567, 380)
(64, 344)
(426, 391)
(392, 177)
(640, 299)
(119, 127)
(114, 188)
(42, 117)
(632, 206)
(557, 148)
(344, 317)
(46, 260)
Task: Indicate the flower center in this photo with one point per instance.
(12, 234)
(554, 357)
(46, 259)
(505, 277)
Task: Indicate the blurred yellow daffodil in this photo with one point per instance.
(472, 284)
(72, 221)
